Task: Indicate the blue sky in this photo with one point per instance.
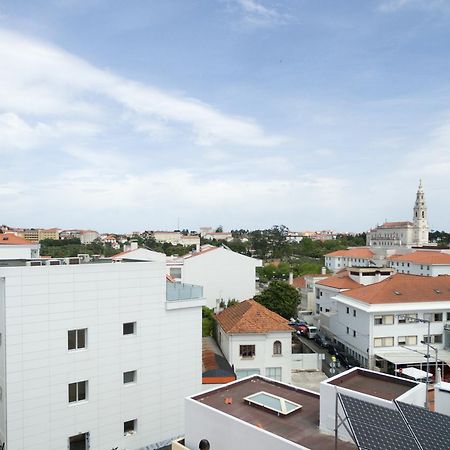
(138, 115)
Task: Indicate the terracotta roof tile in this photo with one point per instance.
(204, 249)
(341, 280)
(299, 282)
(12, 239)
(423, 258)
(362, 252)
(404, 288)
(251, 317)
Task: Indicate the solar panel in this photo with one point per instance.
(377, 427)
(431, 429)
(278, 404)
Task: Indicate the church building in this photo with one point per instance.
(409, 234)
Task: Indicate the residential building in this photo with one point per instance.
(385, 324)
(218, 236)
(225, 275)
(88, 236)
(306, 288)
(14, 247)
(255, 340)
(176, 238)
(406, 233)
(50, 233)
(351, 257)
(429, 263)
(96, 356)
(31, 234)
(264, 414)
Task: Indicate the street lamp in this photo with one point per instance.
(428, 322)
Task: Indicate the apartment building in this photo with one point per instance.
(386, 324)
(351, 257)
(176, 238)
(427, 263)
(255, 340)
(92, 357)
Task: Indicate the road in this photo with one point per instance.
(326, 362)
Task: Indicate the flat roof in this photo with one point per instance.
(413, 356)
(301, 426)
(373, 383)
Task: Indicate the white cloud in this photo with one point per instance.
(258, 14)
(42, 80)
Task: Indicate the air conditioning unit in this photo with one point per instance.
(34, 263)
(71, 261)
(53, 262)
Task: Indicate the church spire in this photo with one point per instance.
(420, 218)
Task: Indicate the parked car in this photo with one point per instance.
(321, 340)
(311, 332)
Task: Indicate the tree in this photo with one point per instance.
(279, 297)
(219, 229)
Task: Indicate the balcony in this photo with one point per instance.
(183, 295)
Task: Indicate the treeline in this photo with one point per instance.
(65, 248)
(440, 237)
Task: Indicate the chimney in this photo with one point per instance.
(197, 247)
(291, 278)
(323, 271)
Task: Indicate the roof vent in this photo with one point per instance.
(438, 291)
(397, 293)
(5, 238)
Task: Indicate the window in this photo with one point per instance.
(129, 328)
(383, 320)
(348, 330)
(274, 373)
(383, 342)
(354, 313)
(407, 318)
(354, 333)
(448, 316)
(129, 427)
(247, 351)
(277, 348)
(242, 373)
(407, 340)
(348, 310)
(434, 339)
(437, 317)
(129, 377)
(76, 339)
(175, 272)
(78, 391)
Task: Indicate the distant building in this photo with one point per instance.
(255, 340)
(88, 236)
(395, 234)
(428, 263)
(219, 236)
(176, 238)
(351, 257)
(50, 233)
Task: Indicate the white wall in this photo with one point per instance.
(223, 274)
(442, 398)
(43, 303)
(226, 432)
(2, 363)
(264, 356)
(19, 251)
(421, 269)
(307, 361)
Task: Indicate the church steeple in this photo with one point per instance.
(420, 218)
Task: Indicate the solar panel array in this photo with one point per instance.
(376, 427)
(431, 429)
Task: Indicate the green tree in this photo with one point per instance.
(207, 321)
(279, 297)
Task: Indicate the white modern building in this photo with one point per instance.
(351, 257)
(430, 263)
(176, 238)
(13, 247)
(225, 275)
(415, 233)
(88, 236)
(306, 288)
(255, 340)
(386, 324)
(96, 356)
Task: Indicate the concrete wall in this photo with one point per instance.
(226, 432)
(224, 275)
(19, 251)
(442, 398)
(307, 361)
(43, 303)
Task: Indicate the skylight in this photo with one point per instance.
(273, 402)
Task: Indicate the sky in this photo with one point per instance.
(158, 114)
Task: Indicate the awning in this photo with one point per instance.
(414, 373)
(405, 355)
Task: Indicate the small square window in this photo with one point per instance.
(76, 339)
(129, 427)
(129, 377)
(129, 328)
(77, 391)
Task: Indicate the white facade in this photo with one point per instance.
(88, 236)
(8, 251)
(38, 308)
(176, 238)
(425, 263)
(225, 275)
(266, 361)
(341, 259)
(370, 329)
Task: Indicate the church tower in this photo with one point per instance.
(420, 218)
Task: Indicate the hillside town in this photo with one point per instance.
(227, 351)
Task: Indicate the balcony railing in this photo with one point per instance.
(183, 291)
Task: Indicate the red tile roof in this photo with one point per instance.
(204, 249)
(299, 282)
(396, 224)
(423, 258)
(251, 317)
(339, 281)
(12, 239)
(361, 252)
(404, 288)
